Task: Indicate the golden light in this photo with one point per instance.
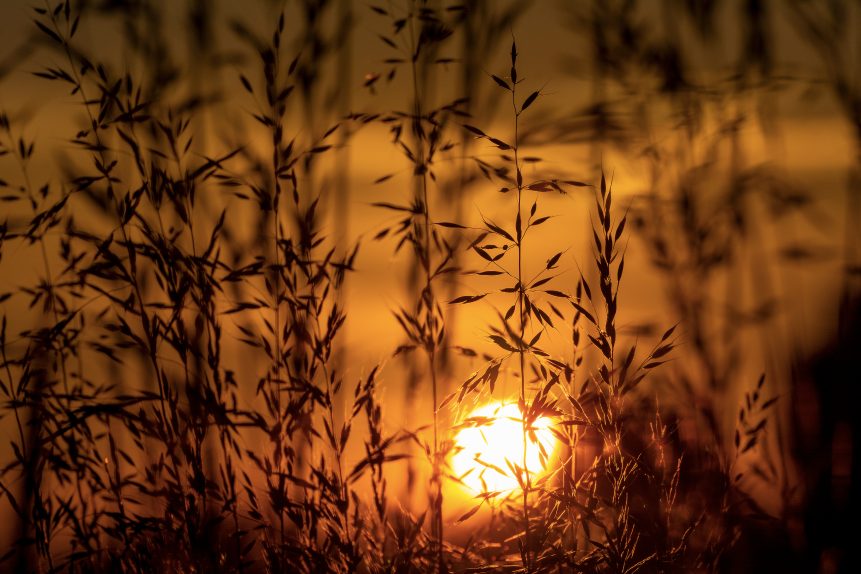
(483, 451)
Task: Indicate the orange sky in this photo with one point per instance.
(813, 145)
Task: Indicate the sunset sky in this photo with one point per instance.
(752, 143)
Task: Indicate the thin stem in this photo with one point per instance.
(521, 350)
(430, 343)
(276, 164)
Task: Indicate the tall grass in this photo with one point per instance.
(172, 364)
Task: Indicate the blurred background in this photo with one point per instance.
(730, 131)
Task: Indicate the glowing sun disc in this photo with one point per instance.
(481, 451)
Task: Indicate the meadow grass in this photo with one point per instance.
(179, 398)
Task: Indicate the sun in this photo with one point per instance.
(482, 452)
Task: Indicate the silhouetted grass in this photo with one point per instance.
(177, 388)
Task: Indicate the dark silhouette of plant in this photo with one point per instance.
(175, 381)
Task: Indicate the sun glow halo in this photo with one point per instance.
(481, 450)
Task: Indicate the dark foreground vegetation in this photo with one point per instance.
(177, 392)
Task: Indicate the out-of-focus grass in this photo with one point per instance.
(190, 383)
